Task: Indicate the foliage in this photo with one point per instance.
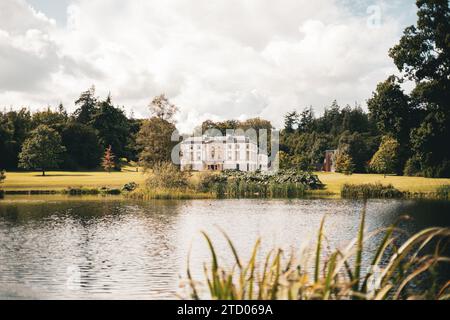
(429, 142)
(423, 55)
(369, 190)
(281, 184)
(154, 142)
(14, 128)
(344, 163)
(399, 269)
(165, 175)
(86, 104)
(82, 146)
(443, 192)
(162, 108)
(385, 159)
(94, 125)
(130, 186)
(412, 167)
(53, 119)
(305, 138)
(389, 107)
(108, 159)
(42, 150)
(2, 176)
(112, 127)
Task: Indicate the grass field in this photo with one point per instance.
(58, 180)
(334, 182)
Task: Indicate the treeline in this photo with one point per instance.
(305, 138)
(54, 139)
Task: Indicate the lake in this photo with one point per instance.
(58, 247)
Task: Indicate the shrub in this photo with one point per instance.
(81, 191)
(130, 186)
(443, 192)
(237, 184)
(376, 190)
(167, 176)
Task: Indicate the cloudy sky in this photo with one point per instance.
(215, 59)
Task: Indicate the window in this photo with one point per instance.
(199, 156)
(230, 157)
(199, 147)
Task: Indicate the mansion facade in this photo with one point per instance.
(222, 153)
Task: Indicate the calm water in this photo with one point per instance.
(63, 248)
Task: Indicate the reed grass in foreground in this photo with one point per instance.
(406, 270)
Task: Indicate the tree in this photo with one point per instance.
(154, 142)
(290, 120)
(53, 119)
(423, 55)
(344, 163)
(430, 145)
(42, 150)
(306, 120)
(112, 127)
(391, 111)
(86, 104)
(82, 146)
(14, 128)
(359, 147)
(162, 108)
(2, 176)
(389, 107)
(385, 159)
(108, 159)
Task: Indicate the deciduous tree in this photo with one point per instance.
(42, 150)
(385, 159)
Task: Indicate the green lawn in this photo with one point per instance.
(334, 182)
(58, 180)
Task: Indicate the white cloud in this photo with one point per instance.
(215, 59)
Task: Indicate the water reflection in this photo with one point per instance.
(126, 249)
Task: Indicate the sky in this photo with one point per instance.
(215, 59)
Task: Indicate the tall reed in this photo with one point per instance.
(398, 270)
(370, 190)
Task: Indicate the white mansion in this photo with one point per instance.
(222, 153)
